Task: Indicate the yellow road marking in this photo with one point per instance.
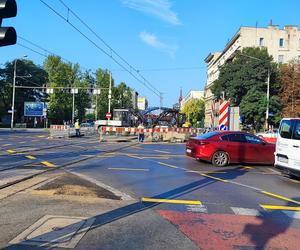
(161, 151)
(48, 164)
(215, 178)
(280, 197)
(247, 167)
(30, 157)
(41, 136)
(4, 145)
(10, 151)
(130, 169)
(190, 202)
(22, 142)
(168, 165)
(271, 207)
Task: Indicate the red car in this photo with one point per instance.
(222, 148)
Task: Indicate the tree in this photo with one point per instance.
(194, 110)
(122, 96)
(244, 82)
(28, 74)
(289, 93)
(65, 75)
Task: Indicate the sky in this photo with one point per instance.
(167, 41)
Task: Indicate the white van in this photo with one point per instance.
(287, 154)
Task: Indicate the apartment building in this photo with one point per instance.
(193, 94)
(282, 44)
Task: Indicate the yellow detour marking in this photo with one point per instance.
(215, 178)
(190, 202)
(48, 164)
(40, 136)
(160, 151)
(4, 145)
(10, 151)
(30, 157)
(168, 165)
(130, 169)
(22, 142)
(280, 197)
(271, 207)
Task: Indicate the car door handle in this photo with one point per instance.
(295, 146)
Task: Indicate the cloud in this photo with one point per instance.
(158, 8)
(153, 41)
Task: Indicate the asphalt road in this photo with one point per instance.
(186, 203)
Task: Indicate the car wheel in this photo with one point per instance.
(220, 159)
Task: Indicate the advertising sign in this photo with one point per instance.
(33, 108)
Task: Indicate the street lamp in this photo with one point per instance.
(268, 87)
(14, 93)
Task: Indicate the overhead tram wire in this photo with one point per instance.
(44, 50)
(106, 44)
(145, 82)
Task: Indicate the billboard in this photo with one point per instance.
(34, 108)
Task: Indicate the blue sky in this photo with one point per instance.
(155, 35)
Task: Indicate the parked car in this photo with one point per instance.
(287, 155)
(222, 148)
(269, 136)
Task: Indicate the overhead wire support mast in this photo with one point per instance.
(109, 53)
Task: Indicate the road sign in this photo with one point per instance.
(108, 115)
(33, 108)
(10, 111)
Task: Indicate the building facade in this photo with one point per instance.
(282, 44)
(193, 94)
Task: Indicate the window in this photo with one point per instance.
(280, 59)
(261, 41)
(296, 131)
(237, 138)
(253, 139)
(281, 42)
(225, 138)
(285, 129)
(206, 135)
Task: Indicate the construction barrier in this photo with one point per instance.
(153, 134)
(61, 131)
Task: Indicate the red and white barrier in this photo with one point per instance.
(151, 130)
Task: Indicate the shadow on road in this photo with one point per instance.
(119, 213)
(272, 225)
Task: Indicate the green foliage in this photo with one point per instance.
(194, 110)
(244, 82)
(60, 102)
(25, 68)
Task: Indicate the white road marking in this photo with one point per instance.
(245, 211)
(196, 208)
(292, 214)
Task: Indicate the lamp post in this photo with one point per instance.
(14, 93)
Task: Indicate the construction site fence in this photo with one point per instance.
(67, 131)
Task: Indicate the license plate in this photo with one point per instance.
(282, 159)
(189, 151)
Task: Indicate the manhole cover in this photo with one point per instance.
(55, 231)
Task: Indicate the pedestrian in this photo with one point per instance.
(141, 132)
(77, 128)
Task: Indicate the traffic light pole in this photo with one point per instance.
(73, 108)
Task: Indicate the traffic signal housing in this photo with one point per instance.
(8, 35)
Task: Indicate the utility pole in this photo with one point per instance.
(13, 94)
(73, 91)
(109, 93)
(268, 99)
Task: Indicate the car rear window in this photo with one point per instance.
(285, 129)
(206, 135)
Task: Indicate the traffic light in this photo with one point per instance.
(8, 35)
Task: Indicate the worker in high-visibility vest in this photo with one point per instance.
(141, 132)
(77, 128)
